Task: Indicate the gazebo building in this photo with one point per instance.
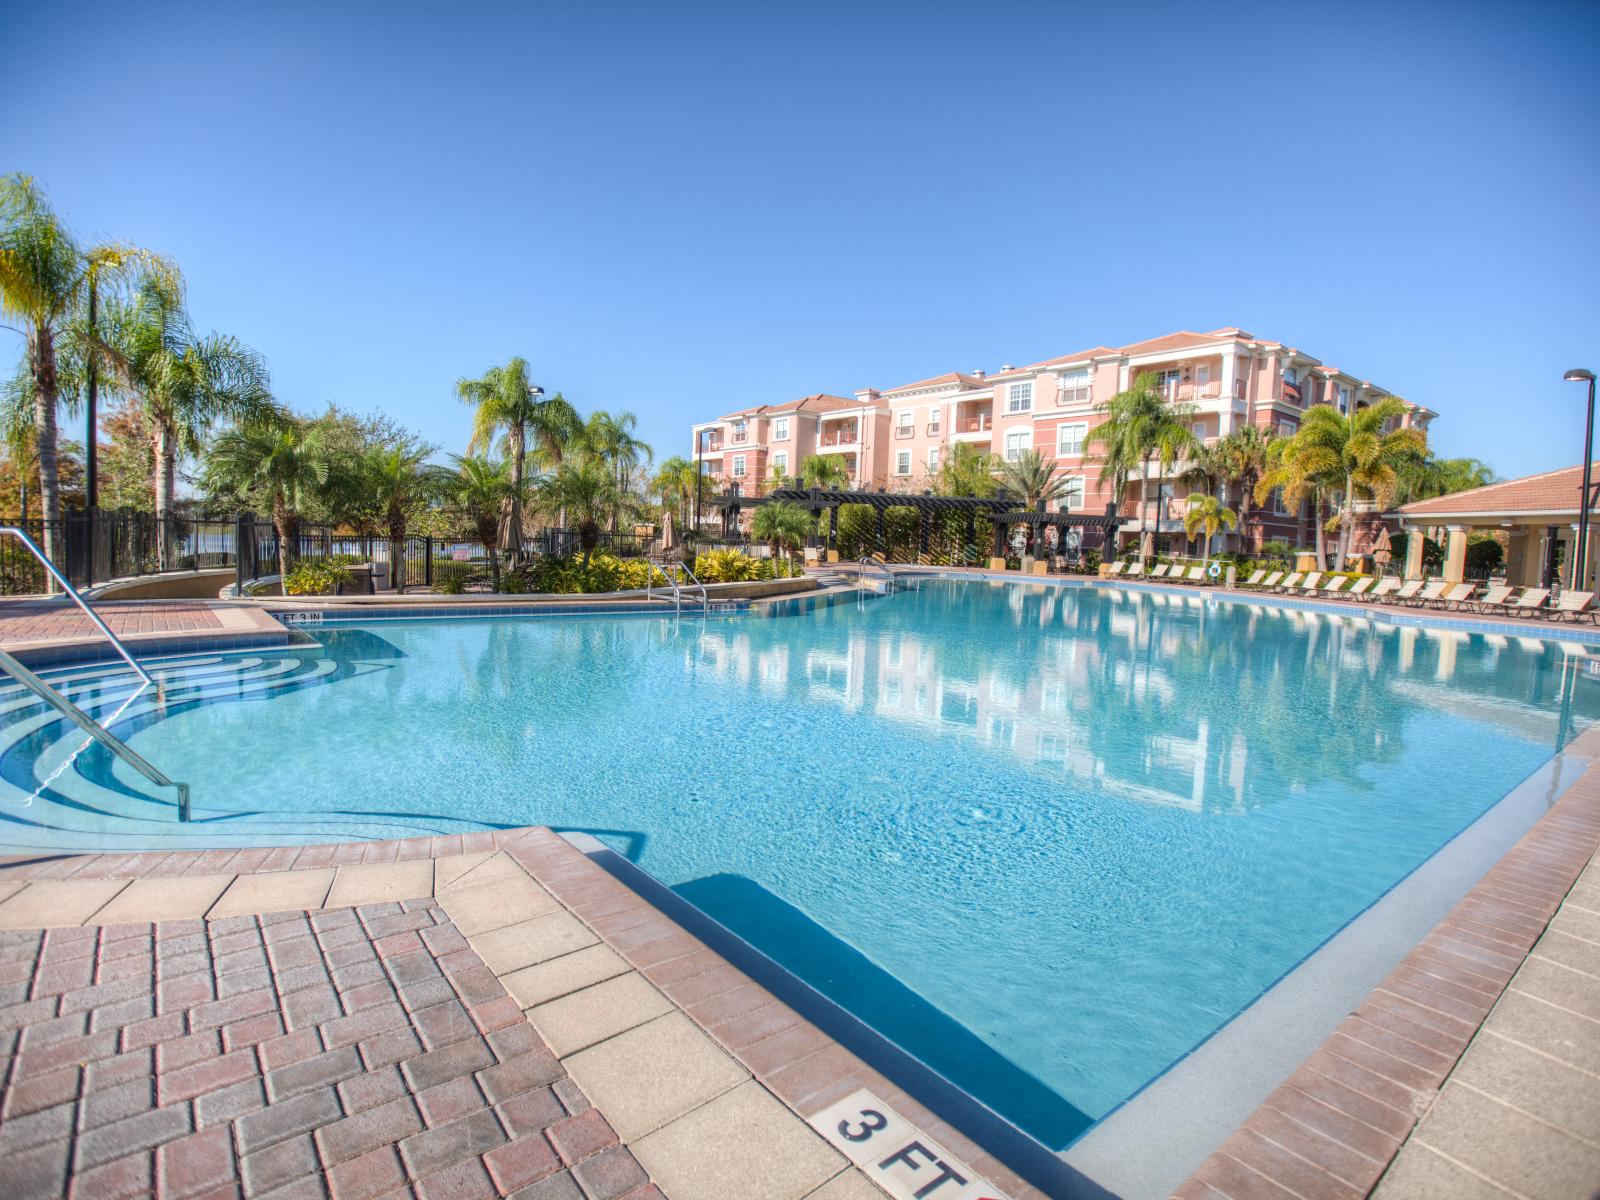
(1537, 514)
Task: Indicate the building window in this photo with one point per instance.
(1018, 442)
(902, 462)
(711, 468)
(1072, 497)
(933, 419)
(1167, 383)
(1019, 397)
(1241, 379)
(1202, 376)
(1198, 429)
(738, 466)
(780, 464)
(1344, 398)
(905, 422)
(1074, 388)
(1069, 440)
(933, 459)
(739, 431)
(1291, 376)
(780, 429)
(1285, 428)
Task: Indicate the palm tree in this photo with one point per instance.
(584, 488)
(1244, 456)
(1034, 481)
(185, 383)
(507, 402)
(1141, 426)
(46, 282)
(781, 525)
(399, 484)
(1289, 473)
(1208, 514)
(1429, 477)
(966, 471)
(611, 438)
(674, 484)
(827, 472)
(481, 490)
(277, 454)
(1358, 454)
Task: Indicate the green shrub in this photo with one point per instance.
(451, 583)
(513, 584)
(725, 566)
(857, 532)
(1484, 553)
(315, 577)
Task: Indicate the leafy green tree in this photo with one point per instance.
(783, 526)
(610, 437)
(966, 471)
(186, 383)
(1034, 481)
(1207, 515)
(1428, 477)
(506, 404)
(481, 491)
(401, 484)
(278, 455)
(1244, 459)
(826, 472)
(1289, 474)
(674, 485)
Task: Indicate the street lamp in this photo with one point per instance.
(1581, 563)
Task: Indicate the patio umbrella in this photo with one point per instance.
(669, 534)
(1382, 551)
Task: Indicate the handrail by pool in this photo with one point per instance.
(872, 560)
(651, 566)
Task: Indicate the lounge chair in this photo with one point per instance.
(1430, 594)
(1197, 574)
(1387, 586)
(1495, 599)
(1456, 596)
(1360, 588)
(1116, 568)
(1530, 603)
(1159, 571)
(1256, 577)
(1135, 569)
(1290, 582)
(1573, 605)
(1334, 584)
(1405, 593)
(1272, 581)
(1310, 582)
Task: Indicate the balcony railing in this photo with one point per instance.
(974, 424)
(842, 437)
(901, 432)
(711, 446)
(933, 429)
(1073, 395)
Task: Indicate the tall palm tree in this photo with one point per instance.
(1359, 454)
(1140, 426)
(827, 472)
(507, 403)
(584, 488)
(611, 437)
(1289, 473)
(1034, 481)
(674, 484)
(399, 485)
(45, 280)
(1208, 515)
(276, 454)
(1429, 477)
(1244, 455)
(186, 383)
(783, 526)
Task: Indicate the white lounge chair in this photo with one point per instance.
(1405, 593)
(1290, 582)
(1360, 588)
(1386, 587)
(1256, 577)
(1494, 599)
(1197, 574)
(1572, 605)
(1334, 584)
(1426, 597)
(1135, 569)
(1530, 603)
(1159, 571)
(1456, 596)
(1116, 568)
(1309, 583)
(1272, 580)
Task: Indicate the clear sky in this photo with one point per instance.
(681, 209)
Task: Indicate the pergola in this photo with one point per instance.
(1001, 510)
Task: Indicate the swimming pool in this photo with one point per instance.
(1047, 839)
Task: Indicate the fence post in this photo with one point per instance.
(240, 533)
(427, 561)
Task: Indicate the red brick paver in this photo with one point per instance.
(330, 1054)
(49, 620)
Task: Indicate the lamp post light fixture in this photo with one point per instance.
(1580, 564)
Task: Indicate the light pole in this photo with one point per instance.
(1581, 561)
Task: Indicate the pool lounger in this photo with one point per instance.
(1159, 571)
(1334, 584)
(1574, 606)
(1494, 600)
(1270, 583)
(1255, 577)
(1426, 597)
(1308, 585)
(1197, 575)
(1387, 586)
(1290, 583)
(1531, 603)
(1359, 589)
(1456, 596)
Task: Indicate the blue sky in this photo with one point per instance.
(680, 209)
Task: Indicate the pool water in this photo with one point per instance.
(1047, 839)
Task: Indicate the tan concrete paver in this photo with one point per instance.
(374, 883)
(547, 980)
(533, 941)
(1564, 1097)
(847, 1185)
(52, 903)
(761, 1151)
(485, 907)
(172, 898)
(1424, 1174)
(598, 1012)
(448, 870)
(9, 889)
(1564, 1036)
(651, 1075)
(273, 891)
(489, 868)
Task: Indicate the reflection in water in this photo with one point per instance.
(1210, 684)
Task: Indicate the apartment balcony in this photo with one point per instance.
(841, 435)
(972, 429)
(711, 445)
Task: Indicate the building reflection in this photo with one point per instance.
(1158, 697)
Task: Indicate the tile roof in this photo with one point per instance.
(818, 402)
(1066, 358)
(961, 377)
(1183, 339)
(1551, 492)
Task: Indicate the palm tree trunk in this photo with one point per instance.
(1345, 526)
(1144, 504)
(284, 526)
(42, 353)
(166, 491)
(1316, 519)
(518, 455)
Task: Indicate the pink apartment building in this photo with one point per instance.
(895, 439)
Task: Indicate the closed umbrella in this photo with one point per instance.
(1382, 551)
(669, 534)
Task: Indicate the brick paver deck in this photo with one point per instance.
(52, 620)
(357, 1051)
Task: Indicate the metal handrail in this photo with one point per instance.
(144, 676)
(94, 729)
(869, 560)
(704, 600)
(650, 568)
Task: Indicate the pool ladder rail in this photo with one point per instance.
(71, 711)
(873, 561)
(653, 565)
